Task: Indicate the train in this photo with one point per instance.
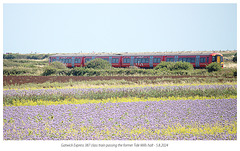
(198, 60)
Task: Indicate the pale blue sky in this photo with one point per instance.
(70, 28)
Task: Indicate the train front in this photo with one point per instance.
(217, 57)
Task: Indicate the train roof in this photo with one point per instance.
(139, 54)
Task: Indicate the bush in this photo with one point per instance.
(49, 70)
(182, 66)
(8, 56)
(58, 65)
(235, 58)
(15, 71)
(25, 56)
(98, 64)
(163, 65)
(78, 71)
(172, 66)
(63, 72)
(214, 67)
(55, 68)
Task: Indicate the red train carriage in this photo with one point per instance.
(157, 60)
(127, 61)
(116, 61)
(198, 60)
(78, 61)
(142, 61)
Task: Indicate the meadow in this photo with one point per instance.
(122, 112)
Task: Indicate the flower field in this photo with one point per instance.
(184, 112)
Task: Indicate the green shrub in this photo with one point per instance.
(78, 71)
(63, 72)
(15, 71)
(8, 56)
(25, 56)
(58, 65)
(182, 66)
(98, 64)
(214, 67)
(172, 66)
(49, 70)
(163, 65)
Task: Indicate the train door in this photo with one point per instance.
(176, 58)
(73, 61)
(110, 60)
(218, 58)
(132, 61)
(151, 62)
(197, 61)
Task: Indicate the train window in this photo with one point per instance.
(126, 60)
(147, 60)
(221, 58)
(136, 60)
(184, 59)
(115, 60)
(180, 59)
(203, 60)
(213, 58)
(169, 60)
(207, 59)
(77, 60)
(139, 60)
(156, 60)
(192, 60)
(87, 59)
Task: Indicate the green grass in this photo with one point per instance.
(97, 83)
